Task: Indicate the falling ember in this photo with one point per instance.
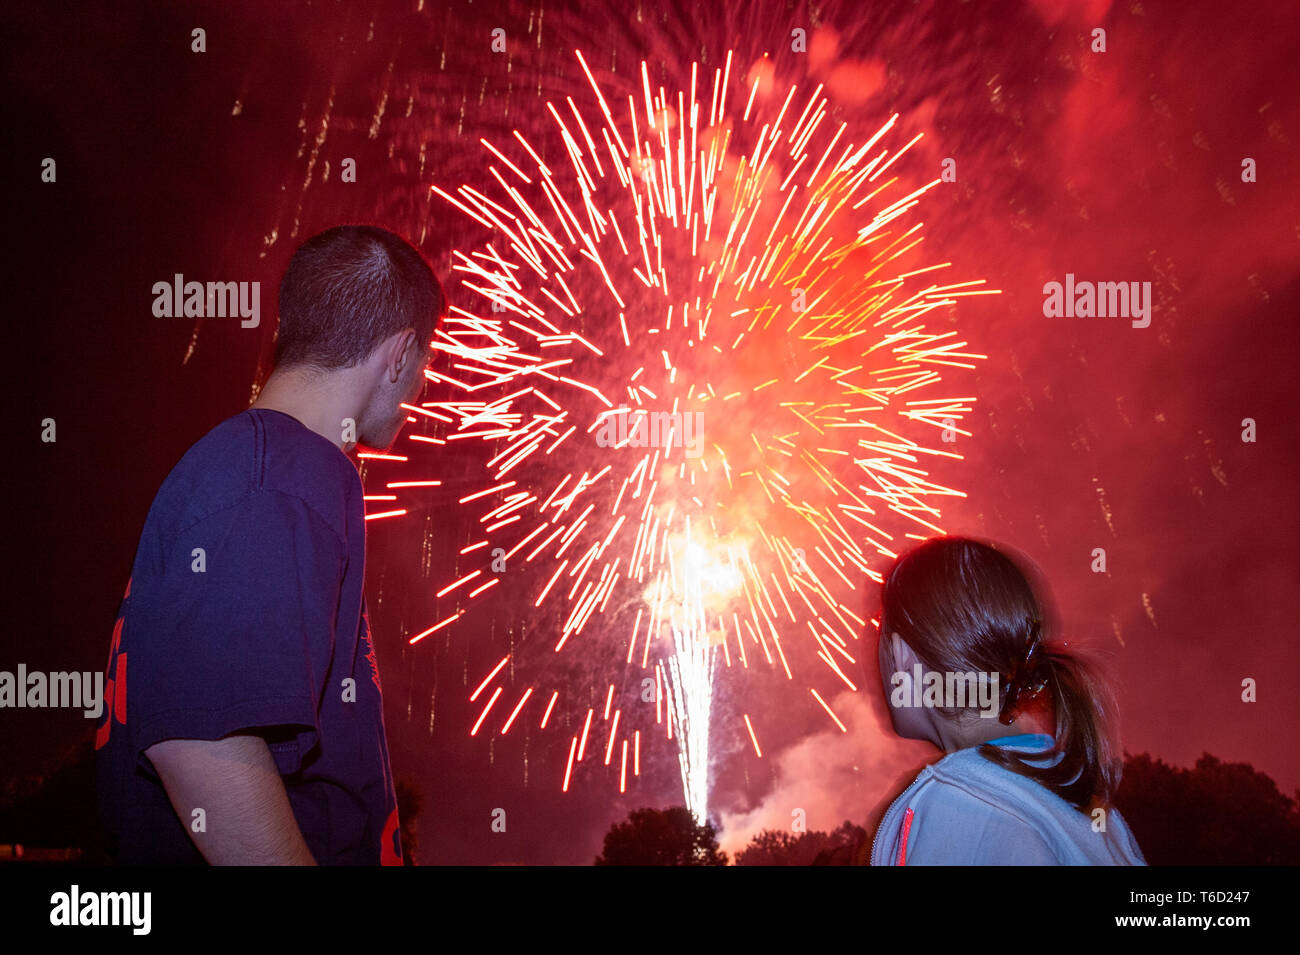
(549, 706)
(704, 366)
(483, 715)
(818, 697)
(484, 685)
(435, 628)
(518, 706)
(568, 769)
(750, 726)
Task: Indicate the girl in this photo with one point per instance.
(1031, 769)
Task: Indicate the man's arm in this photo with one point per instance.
(234, 780)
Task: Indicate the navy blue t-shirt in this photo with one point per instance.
(245, 612)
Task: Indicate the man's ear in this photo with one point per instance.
(401, 349)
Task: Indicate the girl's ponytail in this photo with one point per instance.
(1088, 771)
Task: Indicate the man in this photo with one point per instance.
(254, 733)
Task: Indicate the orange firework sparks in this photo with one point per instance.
(705, 360)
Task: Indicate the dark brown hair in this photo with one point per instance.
(349, 288)
(962, 606)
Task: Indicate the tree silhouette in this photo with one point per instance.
(57, 809)
(661, 837)
(1213, 814)
(776, 847)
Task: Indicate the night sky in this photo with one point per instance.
(1117, 166)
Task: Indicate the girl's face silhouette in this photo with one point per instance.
(927, 723)
(895, 656)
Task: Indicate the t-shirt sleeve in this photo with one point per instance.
(953, 827)
(238, 634)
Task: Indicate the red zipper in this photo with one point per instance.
(902, 847)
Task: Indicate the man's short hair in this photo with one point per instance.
(348, 289)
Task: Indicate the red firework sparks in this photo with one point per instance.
(701, 364)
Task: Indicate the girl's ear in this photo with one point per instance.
(889, 644)
(901, 655)
(887, 652)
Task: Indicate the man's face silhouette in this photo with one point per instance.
(382, 420)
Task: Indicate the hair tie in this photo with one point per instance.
(1025, 681)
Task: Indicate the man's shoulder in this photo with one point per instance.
(253, 452)
(213, 474)
(294, 460)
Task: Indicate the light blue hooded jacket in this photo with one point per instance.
(966, 810)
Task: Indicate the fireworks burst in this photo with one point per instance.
(699, 362)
